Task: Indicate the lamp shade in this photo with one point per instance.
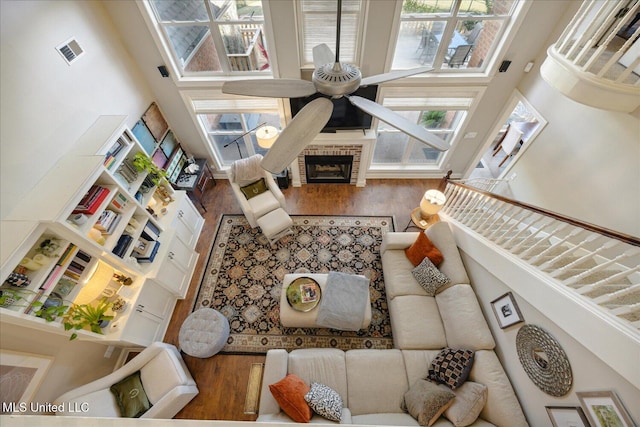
(431, 203)
(266, 136)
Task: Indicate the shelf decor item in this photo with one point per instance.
(604, 409)
(562, 416)
(506, 310)
(544, 360)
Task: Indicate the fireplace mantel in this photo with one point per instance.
(357, 143)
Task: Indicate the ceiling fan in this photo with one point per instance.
(334, 79)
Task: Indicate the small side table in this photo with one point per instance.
(417, 221)
(198, 185)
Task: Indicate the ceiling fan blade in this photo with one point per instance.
(276, 88)
(393, 75)
(399, 122)
(322, 54)
(303, 128)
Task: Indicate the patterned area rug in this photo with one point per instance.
(244, 274)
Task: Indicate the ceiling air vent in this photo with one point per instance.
(70, 50)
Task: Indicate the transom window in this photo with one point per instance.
(213, 36)
(450, 34)
(317, 19)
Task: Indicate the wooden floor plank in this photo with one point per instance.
(222, 379)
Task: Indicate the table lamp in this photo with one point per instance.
(431, 203)
(266, 136)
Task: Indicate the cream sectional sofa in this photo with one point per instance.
(372, 383)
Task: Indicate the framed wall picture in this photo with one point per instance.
(20, 377)
(155, 121)
(144, 137)
(604, 409)
(506, 310)
(567, 416)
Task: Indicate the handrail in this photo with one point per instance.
(627, 238)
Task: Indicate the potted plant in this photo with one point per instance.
(49, 310)
(433, 119)
(143, 163)
(88, 316)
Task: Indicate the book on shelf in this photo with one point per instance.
(33, 302)
(53, 277)
(150, 231)
(107, 222)
(89, 205)
(119, 201)
(123, 244)
(110, 156)
(155, 245)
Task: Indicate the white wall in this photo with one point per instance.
(589, 372)
(46, 104)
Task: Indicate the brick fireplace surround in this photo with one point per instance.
(347, 143)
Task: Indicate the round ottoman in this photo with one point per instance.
(203, 333)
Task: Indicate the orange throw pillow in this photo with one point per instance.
(421, 248)
(289, 393)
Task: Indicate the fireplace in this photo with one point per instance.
(328, 169)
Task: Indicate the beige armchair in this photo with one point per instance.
(165, 378)
(246, 171)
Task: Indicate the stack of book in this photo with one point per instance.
(107, 222)
(119, 201)
(128, 171)
(150, 231)
(146, 250)
(92, 200)
(110, 157)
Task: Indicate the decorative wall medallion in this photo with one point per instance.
(544, 360)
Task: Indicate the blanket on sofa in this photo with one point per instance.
(343, 302)
(247, 171)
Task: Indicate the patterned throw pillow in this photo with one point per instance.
(451, 367)
(429, 277)
(325, 401)
(421, 248)
(426, 401)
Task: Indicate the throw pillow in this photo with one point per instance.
(426, 401)
(130, 396)
(451, 367)
(289, 392)
(325, 401)
(254, 188)
(466, 407)
(421, 248)
(429, 277)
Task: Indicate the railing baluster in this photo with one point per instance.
(590, 238)
(626, 254)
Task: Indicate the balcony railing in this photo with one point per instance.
(596, 60)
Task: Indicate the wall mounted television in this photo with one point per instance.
(345, 115)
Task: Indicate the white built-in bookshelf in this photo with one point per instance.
(88, 233)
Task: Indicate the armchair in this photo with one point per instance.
(263, 203)
(165, 378)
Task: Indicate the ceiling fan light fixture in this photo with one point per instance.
(266, 136)
(337, 79)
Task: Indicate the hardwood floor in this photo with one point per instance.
(222, 379)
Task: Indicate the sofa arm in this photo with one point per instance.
(275, 369)
(171, 403)
(397, 240)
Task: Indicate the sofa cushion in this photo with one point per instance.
(263, 203)
(429, 277)
(451, 367)
(441, 236)
(467, 405)
(322, 365)
(426, 401)
(398, 278)
(163, 373)
(371, 393)
(421, 248)
(289, 392)
(502, 406)
(385, 419)
(324, 401)
(130, 396)
(416, 323)
(459, 308)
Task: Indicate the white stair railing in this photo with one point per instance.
(595, 263)
(596, 60)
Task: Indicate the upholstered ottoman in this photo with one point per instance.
(275, 225)
(203, 333)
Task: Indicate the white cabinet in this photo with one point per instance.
(149, 316)
(183, 217)
(175, 269)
